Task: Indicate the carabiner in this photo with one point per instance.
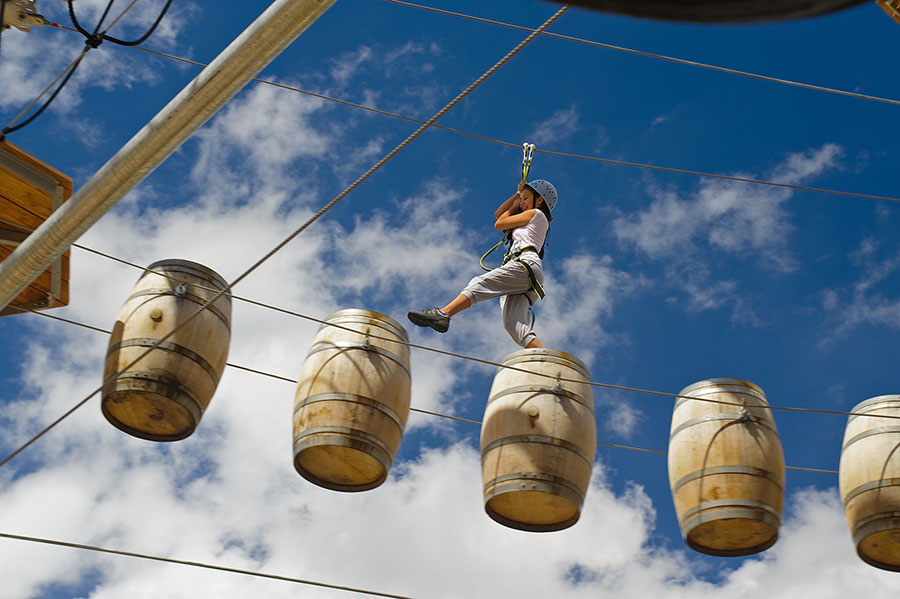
(527, 155)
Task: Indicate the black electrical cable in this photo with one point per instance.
(98, 38)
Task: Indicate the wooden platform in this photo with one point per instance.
(891, 7)
(29, 192)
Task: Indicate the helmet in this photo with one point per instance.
(546, 190)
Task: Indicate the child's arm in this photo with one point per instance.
(511, 203)
(511, 221)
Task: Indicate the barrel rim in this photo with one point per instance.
(122, 384)
(378, 316)
(356, 440)
(725, 381)
(544, 351)
(877, 399)
(863, 530)
(216, 277)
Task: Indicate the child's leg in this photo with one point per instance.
(516, 320)
(459, 303)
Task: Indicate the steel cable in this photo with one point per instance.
(220, 292)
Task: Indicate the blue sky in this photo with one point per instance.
(656, 280)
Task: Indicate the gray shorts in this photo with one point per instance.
(512, 285)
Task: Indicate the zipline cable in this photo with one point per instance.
(653, 55)
(543, 151)
(169, 560)
(286, 379)
(453, 354)
(219, 293)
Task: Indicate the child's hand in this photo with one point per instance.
(521, 185)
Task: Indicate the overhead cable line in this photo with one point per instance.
(518, 146)
(440, 351)
(482, 361)
(683, 61)
(192, 564)
(286, 379)
(220, 292)
(92, 40)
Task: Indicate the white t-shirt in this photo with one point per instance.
(532, 234)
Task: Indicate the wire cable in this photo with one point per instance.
(444, 352)
(220, 292)
(653, 55)
(633, 164)
(169, 560)
(286, 379)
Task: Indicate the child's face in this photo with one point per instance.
(526, 199)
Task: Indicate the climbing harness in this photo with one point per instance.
(535, 284)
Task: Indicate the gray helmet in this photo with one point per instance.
(546, 190)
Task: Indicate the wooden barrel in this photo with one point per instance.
(164, 395)
(538, 441)
(717, 11)
(870, 481)
(726, 468)
(352, 401)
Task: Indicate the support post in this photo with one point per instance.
(243, 59)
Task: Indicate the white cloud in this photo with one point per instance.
(872, 298)
(726, 219)
(557, 127)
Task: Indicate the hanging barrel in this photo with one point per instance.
(164, 395)
(726, 468)
(718, 11)
(352, 401)
(538, 441)
(870, 480)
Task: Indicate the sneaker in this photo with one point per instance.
(430, 318)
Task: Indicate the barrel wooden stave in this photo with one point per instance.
(726, 475)
(352, 402)
(870, 481)
(538, 444)
(164, 395)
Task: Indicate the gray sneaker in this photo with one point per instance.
(430, 318)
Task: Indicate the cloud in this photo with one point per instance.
(869, 300)
(559, 126)
(722, 219)
(34, 59)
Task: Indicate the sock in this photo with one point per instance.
(441, 312)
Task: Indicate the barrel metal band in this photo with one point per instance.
(734, 416)
(343, 436)
(354, 399)
(725, 389)
(875, 403)
(188, 296)
(198, 271)
(543, 439)
(170, 347)
(879, 522)
(549, 360)
(534, 481)
(872, 431)
(870, 486)
(194, 406)
(543, 389)
(325, 345)
(728, 503)
(381, 324)
(747, 470)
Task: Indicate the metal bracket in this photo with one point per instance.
(22, 15)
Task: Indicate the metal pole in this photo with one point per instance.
(247, 55)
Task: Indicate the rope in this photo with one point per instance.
(652, 55)
(542, 151)
(169, 560)
(413, 409)
(220, 292)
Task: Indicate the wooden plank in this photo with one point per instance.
(27, 190)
